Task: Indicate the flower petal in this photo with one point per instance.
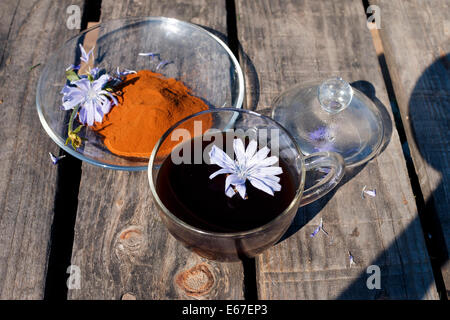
(162, 64)
(241, 190)
(90, 112)
(109, 94)
(258, 184)
(251, 149)
(72, 103)
(73, 67)
(98, 115)
(239, 150)
(237, 182)
(100, 82)
(234, 179)
(217, 156)
(220, 171)
(268, 181)
(230, 192)
(83, 116)
(260, 171)
(268, 161)
(148, 54)
(84, 57)
(259, 156)
(83, 84)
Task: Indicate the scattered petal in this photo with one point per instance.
(372, 193)
(162, 64)
(54, 158)
(124, 73)
(316, 231)
(149, 54)
(73, 67)
(319, 228)
(352, 260)
(85, 56)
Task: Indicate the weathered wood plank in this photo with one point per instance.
(121, 245)
(416, 40)
(28, 32)
(290, 42)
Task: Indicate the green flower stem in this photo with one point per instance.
(72, 117)
(72, 135)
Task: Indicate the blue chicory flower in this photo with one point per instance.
(91, 97)
(250, 164)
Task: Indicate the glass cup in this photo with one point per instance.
(231, 123)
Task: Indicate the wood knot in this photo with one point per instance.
(119, 203)
(355, 232)
(131, 239)
(130, 234)
(196, 281)
(128, 296)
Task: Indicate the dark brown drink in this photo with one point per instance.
(188, 193)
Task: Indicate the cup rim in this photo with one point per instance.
(238, 234)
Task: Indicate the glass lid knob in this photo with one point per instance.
(335, 95)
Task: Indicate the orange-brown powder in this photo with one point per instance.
(149, 104)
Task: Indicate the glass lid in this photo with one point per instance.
(331, 116)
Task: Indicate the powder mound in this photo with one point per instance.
(148, 105)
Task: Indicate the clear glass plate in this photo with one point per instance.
(200, 59)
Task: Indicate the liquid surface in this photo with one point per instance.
(188, 193)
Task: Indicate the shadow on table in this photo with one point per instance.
(413, 278)
(407, 274)
(403, 274)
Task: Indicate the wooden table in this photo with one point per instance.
(105, 222)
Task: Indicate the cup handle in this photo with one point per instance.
(333, 162)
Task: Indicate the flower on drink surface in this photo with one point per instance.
(250, 164)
